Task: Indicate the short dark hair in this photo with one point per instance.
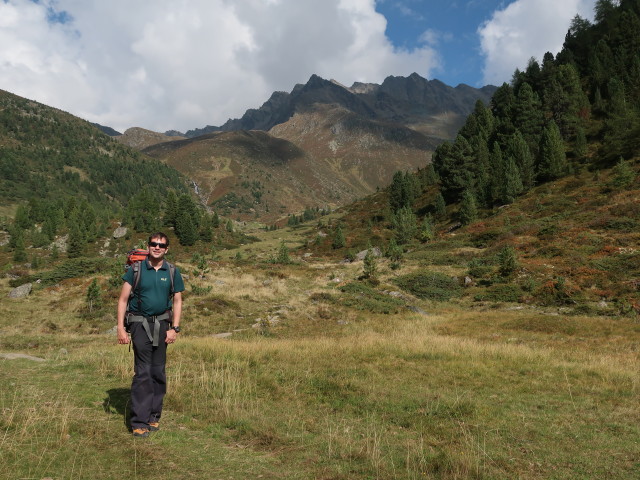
(159, 235)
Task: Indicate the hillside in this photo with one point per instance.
(324, 157)
(48, 155)
(140, 138)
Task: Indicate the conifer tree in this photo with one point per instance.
(19, 251)
(528, 116)
(552, 160)
(623, 174)
(518, 149)
(439, 206)
(206, 228)
(229, 226)
(76, 243)
(468, 211)
(22, 218)
(497, 173)
(338, 239)
(580, 144)
(512, 185)
(170, 209)
(186, 231)
(508, 261)
(93, 295)
(370, 267)
(405, 225)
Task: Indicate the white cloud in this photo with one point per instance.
(164, 64)
(525, 29)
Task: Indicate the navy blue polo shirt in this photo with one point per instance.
(153, 289)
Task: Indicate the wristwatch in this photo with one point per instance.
(176, 328)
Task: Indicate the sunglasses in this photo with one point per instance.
(158, 244)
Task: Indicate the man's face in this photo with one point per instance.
(158, 247)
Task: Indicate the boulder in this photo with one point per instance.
(21, 291)
(120, 232)
(375, 251)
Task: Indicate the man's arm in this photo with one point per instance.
(123, 337)
(177, 312)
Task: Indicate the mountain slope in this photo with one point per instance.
(49, 155)
(325, 157)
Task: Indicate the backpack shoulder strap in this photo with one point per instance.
(172, 273)
(136, 278)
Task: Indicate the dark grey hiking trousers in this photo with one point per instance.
(149, 384)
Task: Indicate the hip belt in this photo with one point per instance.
(155, 319)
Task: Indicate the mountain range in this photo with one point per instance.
(322, 144)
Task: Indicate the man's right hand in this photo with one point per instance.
(123, 336)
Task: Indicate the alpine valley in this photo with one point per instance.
(322, 145)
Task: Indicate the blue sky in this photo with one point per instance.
(450, 26)
(167, 64)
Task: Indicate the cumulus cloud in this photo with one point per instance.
(523, 29)
(162, 64)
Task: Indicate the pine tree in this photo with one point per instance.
(512, 186)
(186, 231)
(439, 206)
(370, 267)
(468, 211)
(283, 254)
(229, 226)
(623, 174)
(580, 144)
(405, 225)
(170, 209)
(508, 261)
(518, 149)
(552, 161)
(76, 243)
(19, 251)
(93, 295)
(338, 239)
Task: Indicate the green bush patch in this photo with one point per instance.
(500, 293)
(430, 285)
(363, 297)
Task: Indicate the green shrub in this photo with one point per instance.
(72, 268)
(430, 285)
(363, 297)
(500, 293)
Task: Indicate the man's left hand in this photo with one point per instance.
(171, 336)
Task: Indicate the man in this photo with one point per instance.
(153, 320)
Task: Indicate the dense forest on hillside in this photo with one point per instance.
(577, 110)
(50, 155)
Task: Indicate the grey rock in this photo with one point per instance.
(14, 356)
(120, 232)
(21, 291)
(375, 251)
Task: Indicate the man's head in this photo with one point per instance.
(158, 245)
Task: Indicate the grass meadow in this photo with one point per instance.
(309, 386)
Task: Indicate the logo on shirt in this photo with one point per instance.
(163, 279)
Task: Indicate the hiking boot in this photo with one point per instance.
(154, 426)
(140, 432)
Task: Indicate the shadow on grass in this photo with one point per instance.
(117, 402)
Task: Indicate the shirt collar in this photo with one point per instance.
(162, 267)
